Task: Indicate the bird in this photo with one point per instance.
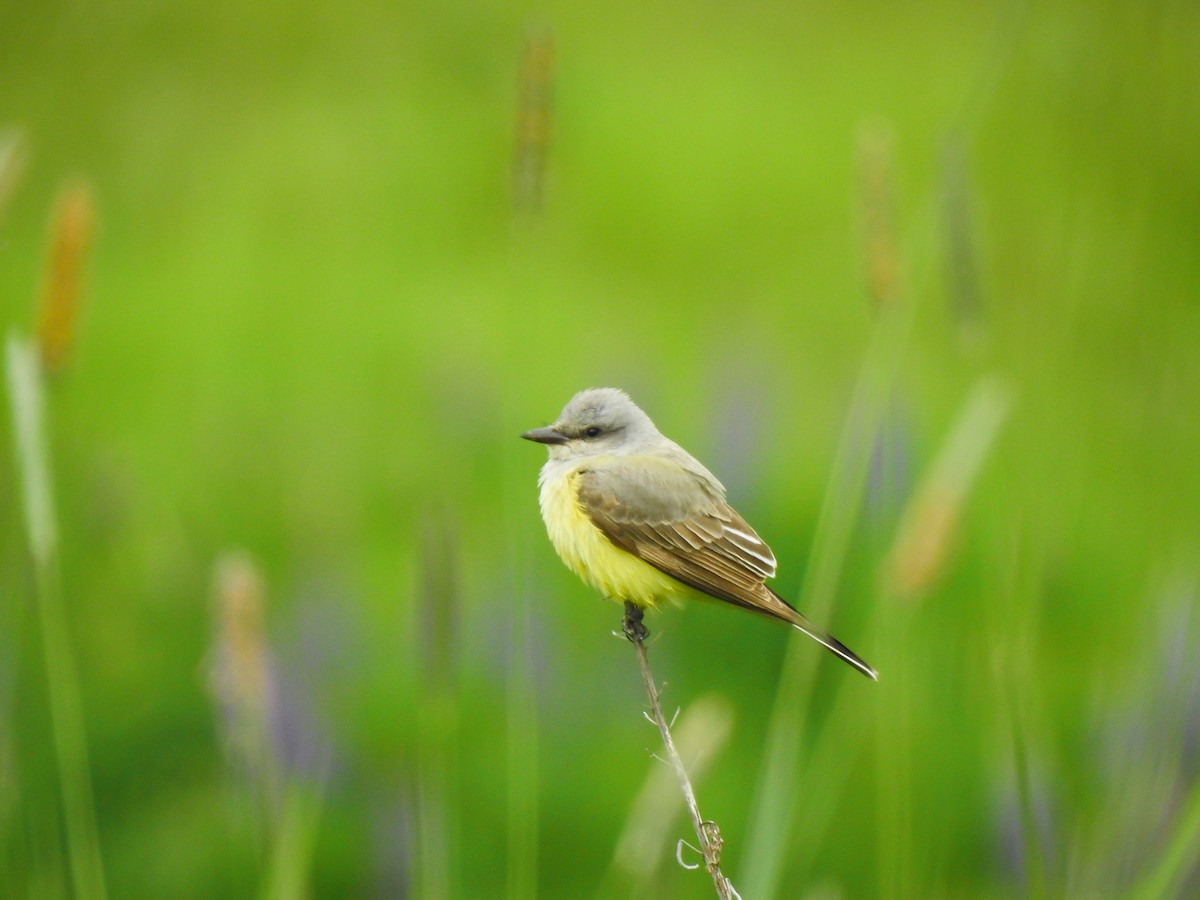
(639, 519)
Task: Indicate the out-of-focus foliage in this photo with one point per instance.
(343, 254)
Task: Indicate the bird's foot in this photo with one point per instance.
(632, 625)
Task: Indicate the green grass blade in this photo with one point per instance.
(66, 710)
(778, 789)
(522, 756)
(292, 853)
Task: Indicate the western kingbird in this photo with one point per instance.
(639, 519)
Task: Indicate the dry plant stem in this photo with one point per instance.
(708, 834)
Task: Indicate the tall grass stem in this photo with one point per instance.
(66, 709)
(778, 789)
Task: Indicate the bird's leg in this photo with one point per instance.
(631, 625)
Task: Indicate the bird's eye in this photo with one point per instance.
(592, 432)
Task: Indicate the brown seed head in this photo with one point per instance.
(534, 119)
(62, 287)
(876, 165)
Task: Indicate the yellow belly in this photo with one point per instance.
(590, 555)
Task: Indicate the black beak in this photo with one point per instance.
(545, 436)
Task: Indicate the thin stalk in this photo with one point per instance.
(894, 771)
(1030, 836)
(1179, 858)
(66, 709)
(707, 833)
(531, 146)
(521, 699)
(700, 732)
(777, 795)
(291, 855)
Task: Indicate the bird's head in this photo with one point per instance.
(597, 422)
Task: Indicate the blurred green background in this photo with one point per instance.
(314, 326)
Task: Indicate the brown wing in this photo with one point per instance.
(666, 515)
(679, 523)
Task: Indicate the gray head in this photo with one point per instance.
(597, 421)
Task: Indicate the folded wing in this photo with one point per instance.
(679, 522)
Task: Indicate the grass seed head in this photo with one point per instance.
(71, 231)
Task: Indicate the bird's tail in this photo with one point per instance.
(798, 621)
